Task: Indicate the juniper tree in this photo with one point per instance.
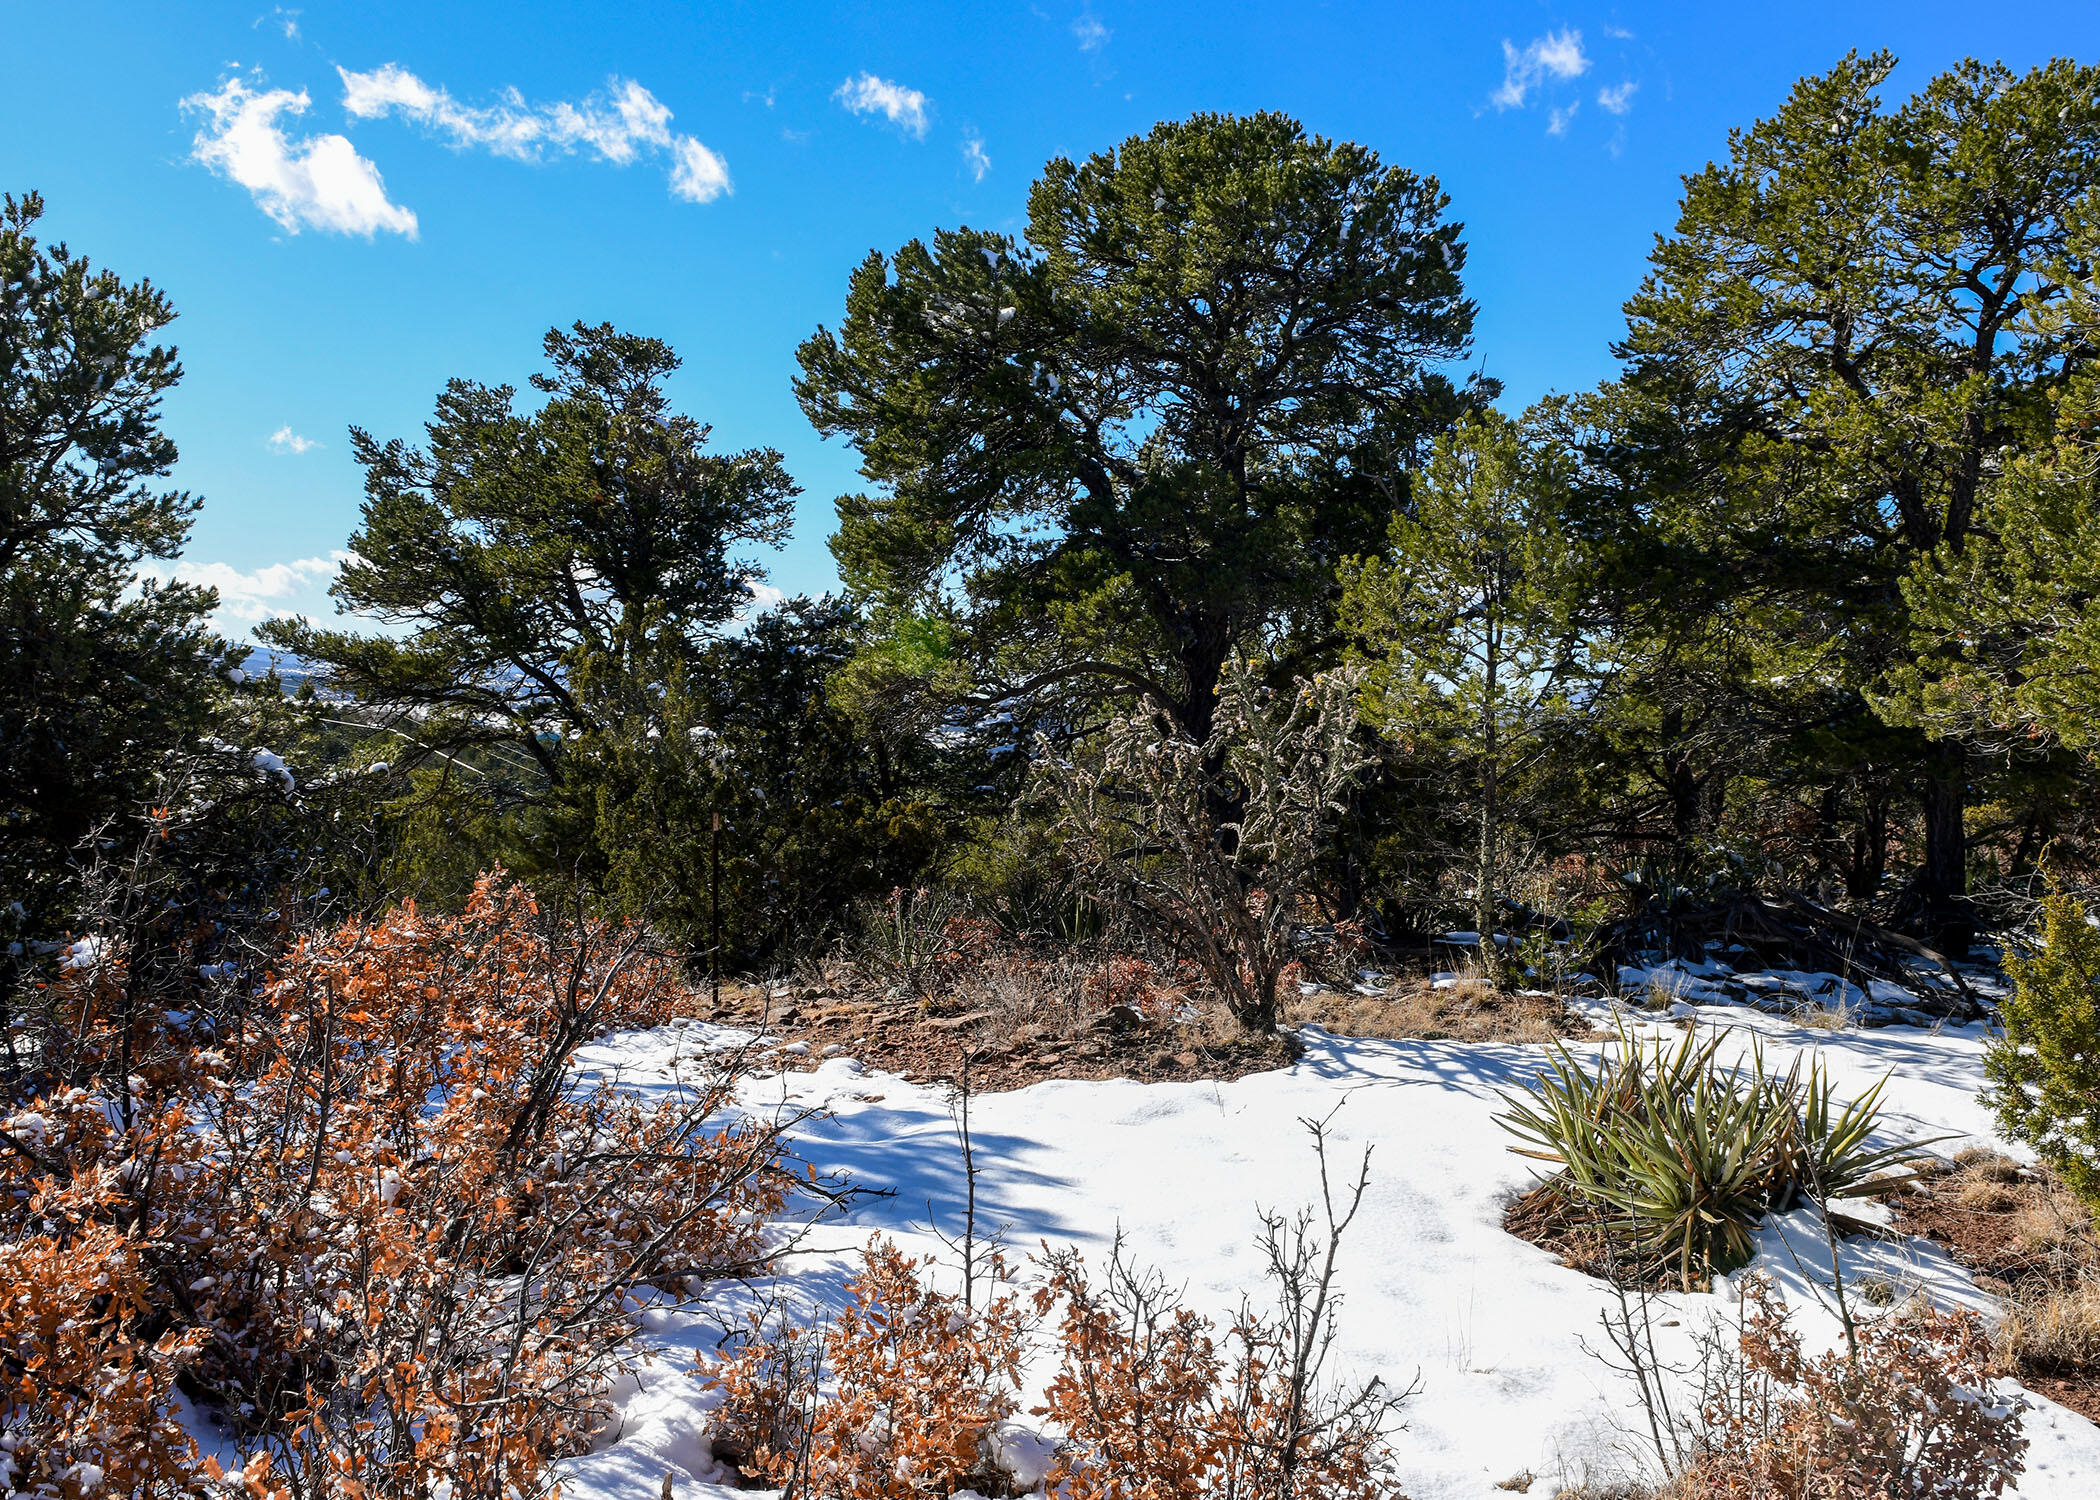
(1118, 449)
(101, 670)
(1842, 331)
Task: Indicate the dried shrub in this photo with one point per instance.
(1153, 1409)
(1212, 845)
(922, 1382)
(87, 1403)
(1913, 1414)
(922, 1385)
(390, 1231)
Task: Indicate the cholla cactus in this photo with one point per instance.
(1215, 843)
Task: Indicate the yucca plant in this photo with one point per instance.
(1830, 1155)
(1681, 1157)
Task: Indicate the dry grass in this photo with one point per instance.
(1823, 1017)
(1981, 1164)
(2053, 1226)
(2040, 1250)
(1876, 1291)
(2051, 1328)
(1984, 1195)
(1469, 1011)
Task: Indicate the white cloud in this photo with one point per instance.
(868, 95)
(974, 157)
(245, 597)
(318, 182)
(1557, 119)
(617, 126)
(1618, 33)
(1093, 36)
(284, 440)
(698, 175)
(1618, 99)
(285, 21)
(1557, 53)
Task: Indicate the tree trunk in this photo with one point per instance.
(1681, 779)
(1943, 883)
(1870, 844)
(1490, 830)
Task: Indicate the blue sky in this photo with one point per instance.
(351, 203)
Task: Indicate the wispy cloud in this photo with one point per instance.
(284, 440)
(314, 182)
(1557, 120)
(1617, 99)
(281, 20)
(1557, 54)
(904, 107)
(248, 596)
(698, 175)
(1092, 35)
(974, 157)
(618, 125)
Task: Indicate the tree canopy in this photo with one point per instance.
(1836, 348)
(518, 547)
(101, 670)
(1144, 434)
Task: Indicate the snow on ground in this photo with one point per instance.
(1493, 1327)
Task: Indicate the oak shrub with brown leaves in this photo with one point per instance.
(377, 1224)
(910, 1391)
(1911, 1414)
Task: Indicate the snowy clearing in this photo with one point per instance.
(1493, 1327)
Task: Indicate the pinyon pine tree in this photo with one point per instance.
(2045, 1070)
(1474, 623)
(1138, 440)
(101, 670)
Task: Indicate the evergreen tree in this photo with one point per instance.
(2044, 1071)
(1145, 435)
(101, 672)
(1476, 621)
(520, 552)
(1835, 347)
(2006, 624)
(816, 812)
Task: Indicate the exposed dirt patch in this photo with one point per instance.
(1469, 1011)
(2025, 1239)
(920, 1044)
(1018, 1020)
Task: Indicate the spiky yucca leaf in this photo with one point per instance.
(1681, 1157)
